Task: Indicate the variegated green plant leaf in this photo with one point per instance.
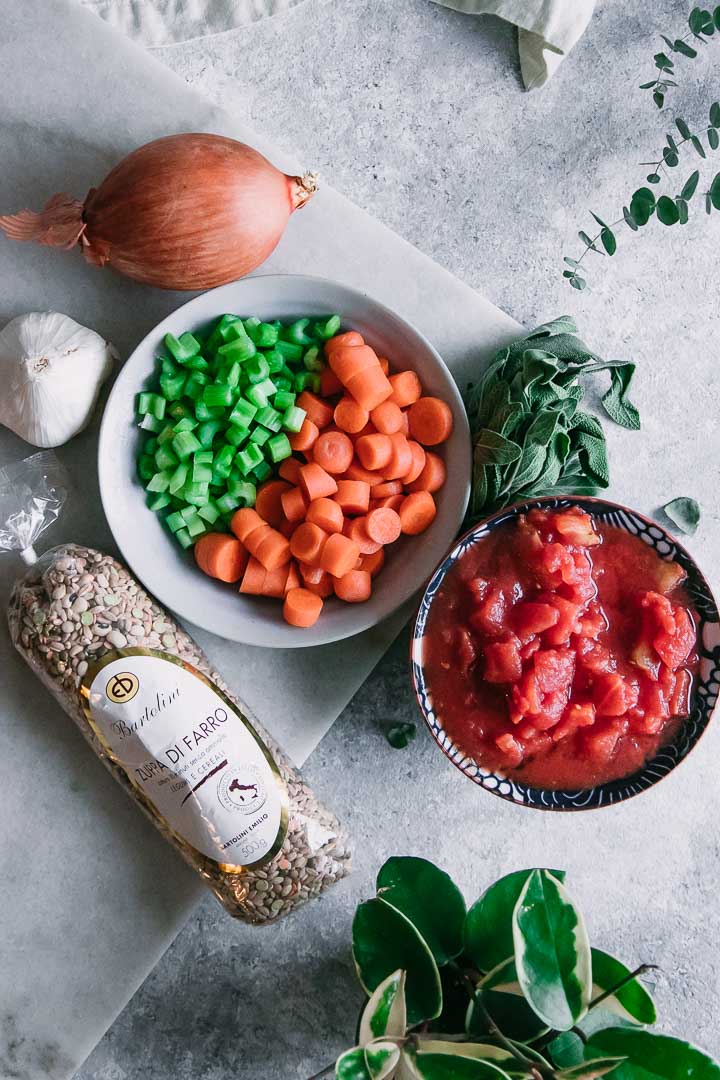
(500, 997)
(590, 1070)
(488, 927)
(385, 1012)
(498, 1055)
(651, 1057)
(383, 941)
(381, 1059)
(430, 899)
(351, 1065)
(552, 951)
(441, 1066)
(632, 1001)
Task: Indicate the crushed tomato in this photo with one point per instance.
(561, 651)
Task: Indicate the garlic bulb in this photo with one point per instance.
(51, 371)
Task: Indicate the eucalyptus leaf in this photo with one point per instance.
(552, 951)
(385, 1012)
(587, 241)
(698, 146)
(684, 513)
(670, 158)
(659, 99)
(686, 50)
(690, 185)
(430, 899)
(351, 1065)
(667, 211)
(401, 735)
(632, 1001)
(642, 206)
(682, 127)
(616, 402)
(715, 112)
(608, 241)
(488, 932)
(650, 1056)
(715, 191)
(629, 219)
(713, 138)
(383, 941)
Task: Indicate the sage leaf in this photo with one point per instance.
(488, 933)
(385, 1012)
(690, 185)
(564, 324)
(437, 1067)
(401, 735)
(383, 940)
(651, 1057)
(590, 1070)
(632, 1001)
(491, 448)
(552, 952)
(381, 1059)
(616, 403)
(593, 455)
(500, 997)
(351, 1065)
(667, 211)
(430, 899)
(685, 513)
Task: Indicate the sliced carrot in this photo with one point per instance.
(311, 574)
(418, 462)
(302, 608)
(268, 503)
(339, 555)
(389, 487)
(431, 421)
(373, 563)
(318, 581)
(293, 580)
(352, 360)
(369, 387)
(290, 470)
(327, 513)
(333, 452)
(401, 457)
(274, 583)
(387, 418)
(406, 388)
(254, 539)
(294, 503)
(356, 531)
(287, 528)
(315, 483)
(341, 341)
(221, 556)
(352, 496)
(394, 502)
(274, 550)
(405, 429)
(306, 437)
(354, 587)
(329, 383)
(349, 416)
(383, 525)
(316, 409)
(253, 578)
(244, 522)
(374, 451)
(307, 543)
(417, 512)
(432, 477)
(357, 472)
(384, 364)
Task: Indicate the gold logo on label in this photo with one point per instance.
(122, 687)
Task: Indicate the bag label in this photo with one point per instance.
(197, 761)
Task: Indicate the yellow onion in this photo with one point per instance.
(185, 212)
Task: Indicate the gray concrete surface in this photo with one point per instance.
(417, 113)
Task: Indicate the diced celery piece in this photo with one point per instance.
(243, 413)
(179, 409)
(175, 521)
(226, 504)
(236, 436)
(186, 424)
(257, 369)
(196, 527)
(283, 400)
(328, 328)
(173, 386)
(158, 501)
(248, 458)
(279, 447)
(242, 490)
(178, 478)
(241, 349)
(207, 412)
(290, 350)
(150, 423)
(182, 348)
(165, 458)
(184, 538)
(257, 397)
(202, 474)
(259, 435)
(146, 467)
(262, 472)
(222, 462)
(295, 332)
(152, 404)
(270, 418)
(312, 359)
(293, 418)
(184, 444)
(197, 363)
(217, 394)
(209, 512)
(207, 432)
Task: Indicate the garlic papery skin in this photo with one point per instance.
(51, 371)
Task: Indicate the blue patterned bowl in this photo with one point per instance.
(705, 693)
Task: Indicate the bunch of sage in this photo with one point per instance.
(530, 437)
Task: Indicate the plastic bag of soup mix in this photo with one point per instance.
(162, 720)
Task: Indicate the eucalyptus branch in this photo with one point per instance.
(612, 990)
(702, 25)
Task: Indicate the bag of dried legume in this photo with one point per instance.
(163, 721)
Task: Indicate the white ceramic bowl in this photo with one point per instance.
(170, 574)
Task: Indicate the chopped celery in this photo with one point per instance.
(150, 423)
(262, 472)
(184, 444)
(293, 418)
(217, 394)
(184, 538)
(248, 458)
(158, 501)
(175, 521)
(279, 447)
(270, 418)
(243, 413)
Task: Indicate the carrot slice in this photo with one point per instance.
(290, 470)
(318, 581)
(356, 531)
(369, 387)
(349, 416)
(244, 522)
(315, 483)
(333, 452)
(373, 562)
(357, 472)
(287, 528)
(387, 418)
(221, 556)
(406, 388)
(352, 496)
(383, 525)
(268, 504)
(329, 383)
(316, 409)
(311, 575)
(394, 502)
(293, 502)
(352, 360)
(302, 608)
(327, 513)
(273, 551)
(293, 580)
(341, 341)
(384, 364)
(431, 421)
(401, 457)
(374, 451)
(254, 539)
(253, 578)
(274, 583)
(418, 462)
(432, 477)
(307, 543)
(339, 555)
(354, 587)
(417, 512)
(405, 429)
(306, 437)
(389, 487)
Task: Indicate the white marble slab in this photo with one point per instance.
(104, 896)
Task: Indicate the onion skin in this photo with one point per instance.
(184, 212)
